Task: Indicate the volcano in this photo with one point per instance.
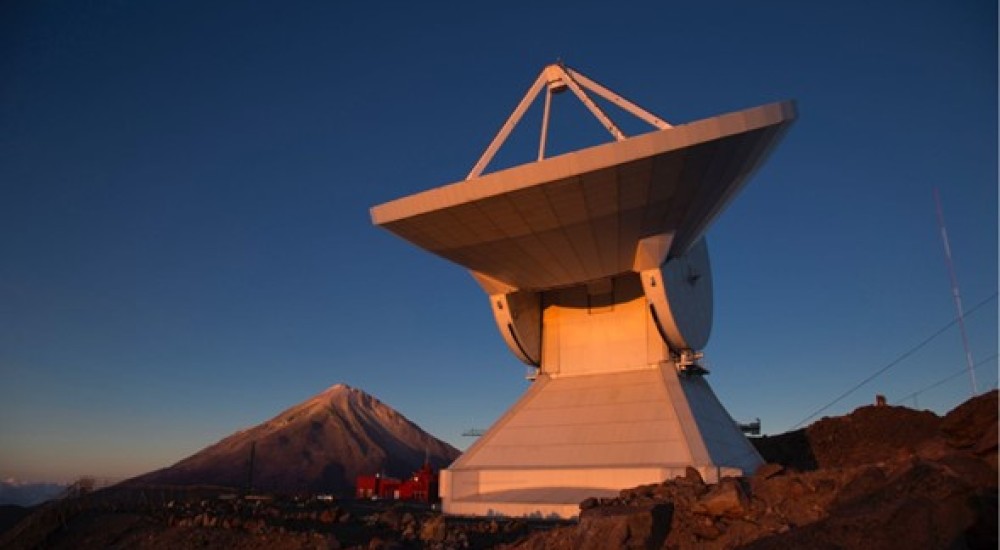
(318, 446)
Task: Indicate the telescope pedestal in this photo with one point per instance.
(609, 410)
(570, 438)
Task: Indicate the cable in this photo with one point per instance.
(965, 370)
(894, 362)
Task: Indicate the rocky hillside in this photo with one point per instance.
(320, 445)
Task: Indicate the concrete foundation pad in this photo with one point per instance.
(536, 503)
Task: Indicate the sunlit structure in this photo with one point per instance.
(597, 273)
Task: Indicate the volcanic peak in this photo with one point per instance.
(321, 444)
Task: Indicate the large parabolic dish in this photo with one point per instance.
(597, 273)
(580, 216)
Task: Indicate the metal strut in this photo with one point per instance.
(557, 78)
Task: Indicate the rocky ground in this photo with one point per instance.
(213, 517)
(880, 477)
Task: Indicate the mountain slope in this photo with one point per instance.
(320, 445)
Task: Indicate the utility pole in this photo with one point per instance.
(954, 292)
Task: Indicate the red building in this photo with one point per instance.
(422, 486)
(377, 487)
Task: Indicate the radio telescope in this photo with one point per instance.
(598, 275)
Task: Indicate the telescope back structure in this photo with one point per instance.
(598, 276)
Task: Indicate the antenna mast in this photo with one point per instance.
(954, 292)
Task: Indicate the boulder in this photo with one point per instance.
(693, 476)
(769, 470)
(327, 516)
(622, 526)
(434, 529)
(727, 498)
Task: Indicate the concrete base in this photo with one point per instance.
(541, 503)
(573, 437)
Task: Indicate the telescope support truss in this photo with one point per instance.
(557, 78)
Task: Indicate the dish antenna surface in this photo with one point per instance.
(597, 273)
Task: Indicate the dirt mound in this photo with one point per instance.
(791, 449)
(918, 504)
(973, 424)
(870, 434)
(867, 435)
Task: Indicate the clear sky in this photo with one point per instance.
(186, 248)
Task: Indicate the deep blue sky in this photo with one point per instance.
(186, 249)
